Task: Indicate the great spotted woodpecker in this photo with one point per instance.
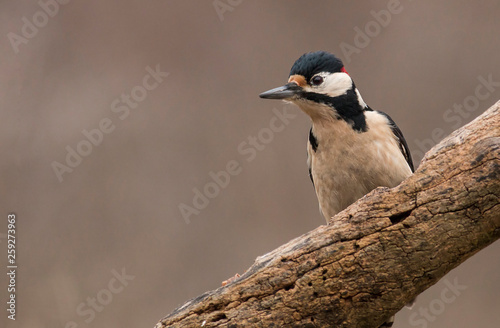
(352, 149)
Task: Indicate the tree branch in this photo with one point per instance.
(376, 255)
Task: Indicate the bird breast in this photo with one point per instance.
(348, 164)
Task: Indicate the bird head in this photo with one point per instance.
(321, 87)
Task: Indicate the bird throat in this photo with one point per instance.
(346, 107)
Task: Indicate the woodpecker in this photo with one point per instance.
(352, 149)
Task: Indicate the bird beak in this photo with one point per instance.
(289, 90)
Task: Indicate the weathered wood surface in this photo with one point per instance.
(376, 255)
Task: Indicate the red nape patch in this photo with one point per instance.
(343, 70)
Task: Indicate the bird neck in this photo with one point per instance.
(348, 107)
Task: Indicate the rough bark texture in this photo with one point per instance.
(376, 255)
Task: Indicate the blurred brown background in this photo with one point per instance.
(119, 208)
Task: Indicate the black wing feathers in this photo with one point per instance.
(403, 146)
(314, 145)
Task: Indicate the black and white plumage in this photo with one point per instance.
(352, 149)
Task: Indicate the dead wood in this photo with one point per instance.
(376, 255)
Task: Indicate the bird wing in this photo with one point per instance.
(309, 165)
(312, 146)
(403, 146)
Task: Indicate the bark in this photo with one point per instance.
(378, 254)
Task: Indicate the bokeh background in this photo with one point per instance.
(119, 209)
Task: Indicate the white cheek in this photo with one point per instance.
(336, 84)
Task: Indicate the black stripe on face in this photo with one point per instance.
(346, 106)
(313, 141)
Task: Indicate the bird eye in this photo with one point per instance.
(317, 80)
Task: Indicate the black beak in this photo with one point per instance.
(287, 91)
